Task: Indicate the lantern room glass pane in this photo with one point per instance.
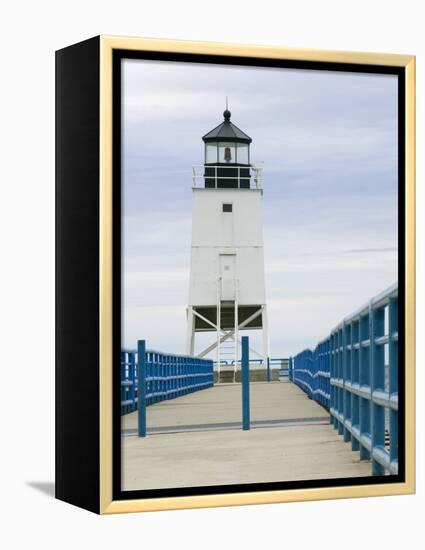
(242, 153)
(226, 153)
(211, 153)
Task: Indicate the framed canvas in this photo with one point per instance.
(235, 233)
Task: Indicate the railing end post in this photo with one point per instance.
(245, 384)
(141, 389)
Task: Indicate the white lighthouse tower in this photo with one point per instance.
(227, 287)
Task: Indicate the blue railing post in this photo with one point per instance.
(377, 357)
(268, 369)
(355, 380)
(365, 383)
(393, 376)
(346, 376)
(141, 392)
(245, 383)
(332, 377)
(123, 382)
(340, 368)
(132, 378)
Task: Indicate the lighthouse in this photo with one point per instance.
(227, 285)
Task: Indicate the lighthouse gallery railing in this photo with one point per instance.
(354, 374)
(238, 173)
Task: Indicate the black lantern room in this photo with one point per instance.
(227, 163)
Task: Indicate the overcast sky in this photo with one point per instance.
(328, 142)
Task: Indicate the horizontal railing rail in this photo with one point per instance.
(354, 374)
(167, 376)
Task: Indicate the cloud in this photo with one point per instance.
(328, 141)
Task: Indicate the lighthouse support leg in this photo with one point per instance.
(218, 330)
(266, 351)
(190, 343)
(236, 336)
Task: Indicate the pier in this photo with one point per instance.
(196, 440)
(333, 415)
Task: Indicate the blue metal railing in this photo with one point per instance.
(167, 377)
(311, 371)
(360, 360)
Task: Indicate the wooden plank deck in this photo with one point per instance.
(303, 446)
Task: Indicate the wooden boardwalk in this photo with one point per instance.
(196, 440)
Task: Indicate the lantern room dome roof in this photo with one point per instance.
(227, 131)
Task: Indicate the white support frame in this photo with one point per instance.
(266, 344)
(230, 333)
(223, 335)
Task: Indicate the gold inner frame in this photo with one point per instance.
(107, 505)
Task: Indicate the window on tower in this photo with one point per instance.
(242, 153)
(227, 207)
(211, 153)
